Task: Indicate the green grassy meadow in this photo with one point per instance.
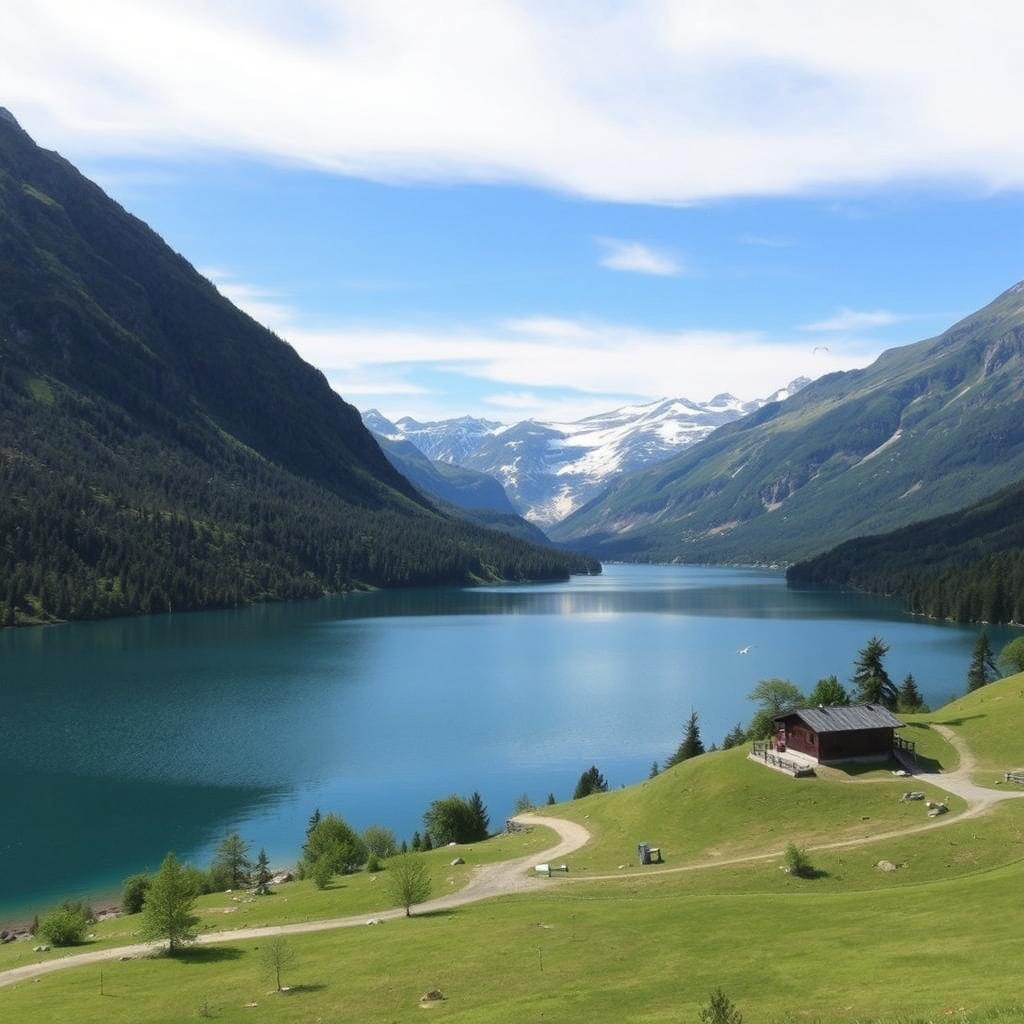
(938, 939)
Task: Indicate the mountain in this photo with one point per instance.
(549, 469)
(967, 565)
(461, 487)
(925, 429)
(160, 450)
(464, 493)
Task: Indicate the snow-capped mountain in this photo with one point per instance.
(550, 469)
(442, 440)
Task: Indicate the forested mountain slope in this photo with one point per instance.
(161, 450)
(925, 429)
(967, 565)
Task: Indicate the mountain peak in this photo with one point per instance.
(6, 115)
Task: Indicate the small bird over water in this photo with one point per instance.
(745, 650)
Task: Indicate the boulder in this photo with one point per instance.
(457, 861)
(886, 865)
(435, 995)
(281, 876)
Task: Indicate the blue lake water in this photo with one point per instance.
(123, 739)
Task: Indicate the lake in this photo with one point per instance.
(123, 739)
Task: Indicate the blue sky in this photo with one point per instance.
(468, 220)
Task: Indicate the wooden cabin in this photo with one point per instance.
(837, 732)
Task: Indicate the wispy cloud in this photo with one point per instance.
(639, 258)
(857, 320)
(550, 367)
(766, 241)
(651, 102)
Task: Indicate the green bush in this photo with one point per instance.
(65, 925)
(373, 864)
(133, 893)
(380, 841)
(322, 871)
(798, 863)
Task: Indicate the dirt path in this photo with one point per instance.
(487, 880)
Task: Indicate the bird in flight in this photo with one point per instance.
(820, 348)
(745, 650)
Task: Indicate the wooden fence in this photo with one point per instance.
(1014, 777)
(763, 752)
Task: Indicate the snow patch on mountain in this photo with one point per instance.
(549, 469)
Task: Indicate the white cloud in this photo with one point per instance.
(766, 241)
(669, 101)
(552, 367)
(856, 320)
(638, 258)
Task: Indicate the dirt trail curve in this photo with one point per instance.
(488, 880)
(513, 876)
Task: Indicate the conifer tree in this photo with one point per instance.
(983, 666)
(417, 842)
(428, 843)
(261, 875)
(314, 820)
(551, 799)
(910, 696)
(231, 865)
(481, 822)
(735, 737)
(591, 781)
(870, 677)
(167, 912)
(691, 745)
(653, 773)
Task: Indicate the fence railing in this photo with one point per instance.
(763, 752)
(907, 746)
(1014, 777)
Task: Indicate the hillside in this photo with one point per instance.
(925, 429)
(602, 942)
(968, 565)
(162, 451)
(551, 468)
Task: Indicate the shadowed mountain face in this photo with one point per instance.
(924, 430)
(967, 565)
(161, 450)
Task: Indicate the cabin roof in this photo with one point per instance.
(844, 718)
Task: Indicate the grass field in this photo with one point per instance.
(991, 720)
(936, 940)
(723, 805)
(302, 901)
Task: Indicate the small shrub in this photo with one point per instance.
(133, 893)
(381, 841)
(322, 872)
(798, 863)
(720, 1010)
(64, 926)
(373, 865)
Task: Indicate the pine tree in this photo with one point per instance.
(428, 843)
(231, 865)
(167, 912)
(691, 745)
(314, 820)
(551, 799)
(481, 822)
(720, 1010)
(261, 875)
(417, 842)
(653, 773)
(870, 678)
(735, 737)
(910, 696)
(983, 666)
(591, 781)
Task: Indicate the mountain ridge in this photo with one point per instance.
(161, 450)
(923, 429)
(549, 467)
